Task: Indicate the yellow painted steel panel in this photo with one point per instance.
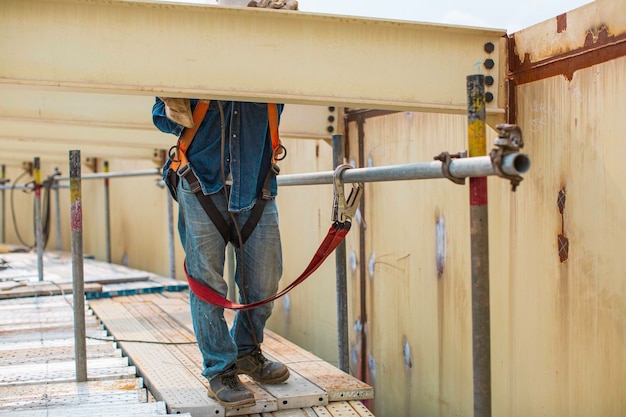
(207, 51)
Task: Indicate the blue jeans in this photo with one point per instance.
(262, 267)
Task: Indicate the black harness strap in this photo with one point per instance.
(206, 201)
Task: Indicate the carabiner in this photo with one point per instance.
(344, 209)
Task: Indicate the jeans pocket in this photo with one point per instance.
(172, 179)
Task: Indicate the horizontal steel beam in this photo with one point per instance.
(120, 123)
(84, 134)
(129, 112)
(145, 48)
(13, 151)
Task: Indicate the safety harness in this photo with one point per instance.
(180, 166)
(343, 210)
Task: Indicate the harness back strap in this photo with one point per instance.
(185, 140)
(334, 237)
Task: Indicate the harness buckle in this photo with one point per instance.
(344, 209)
(183, 172)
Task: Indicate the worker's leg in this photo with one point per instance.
(258, 280)
(204, 248)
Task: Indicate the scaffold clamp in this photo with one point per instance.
(446, 159)
(509, 141)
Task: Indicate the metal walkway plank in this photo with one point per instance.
(56, 354)
(43, 289)
(108, 368)
(164, 376)
(65, 338)
(111, 410)
(67, 389)
(49, 400)
(47, 337)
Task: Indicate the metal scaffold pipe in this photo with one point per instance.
(78, 279)
(29, 187)
(343, 345)
(107, 213)
(479, 242)
(101, 175)
(513, 164)
(3, 180)
(38, 217)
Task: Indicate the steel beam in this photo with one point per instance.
(121, 123)
(133, 112)
(15, 150)
(145, 48)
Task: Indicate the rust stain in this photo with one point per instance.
(561, 23)
(563, 243)
(562, 240)
(599, 46)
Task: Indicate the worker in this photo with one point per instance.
(230, 166)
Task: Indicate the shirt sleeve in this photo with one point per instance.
(161, 121)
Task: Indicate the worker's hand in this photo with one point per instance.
(275, 4)
(178, 110)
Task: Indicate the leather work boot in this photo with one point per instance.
(228, 390)
(178, 110)
(261, 369)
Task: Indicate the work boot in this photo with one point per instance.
(261, 369)
(178, 110)
(228, 390)
(275, 4)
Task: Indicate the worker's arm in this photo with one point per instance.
(162, 122)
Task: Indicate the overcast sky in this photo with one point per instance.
(499, 14)
(502, 14)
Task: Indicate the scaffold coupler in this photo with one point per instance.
(509, 141)
(446, 159)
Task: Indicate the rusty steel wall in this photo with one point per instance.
(558, 299)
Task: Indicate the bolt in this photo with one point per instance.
(330, 129)
(331, 118)
(331, 108)
(489, 47)
(489, 64)
(489, 80)
(488, 97)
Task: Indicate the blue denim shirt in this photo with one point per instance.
(247, 149)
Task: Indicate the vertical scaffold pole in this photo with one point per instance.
(3, 181)
(38, 217)
(342, 284)
(170, 233)
(78, 279)
(57, 206)
(479, 227)
(107, 214)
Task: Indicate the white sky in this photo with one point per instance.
(501, 14)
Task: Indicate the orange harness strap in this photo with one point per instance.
(185, 140)
(272, 117)
(200, 111)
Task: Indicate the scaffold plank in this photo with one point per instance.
(107, 368)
